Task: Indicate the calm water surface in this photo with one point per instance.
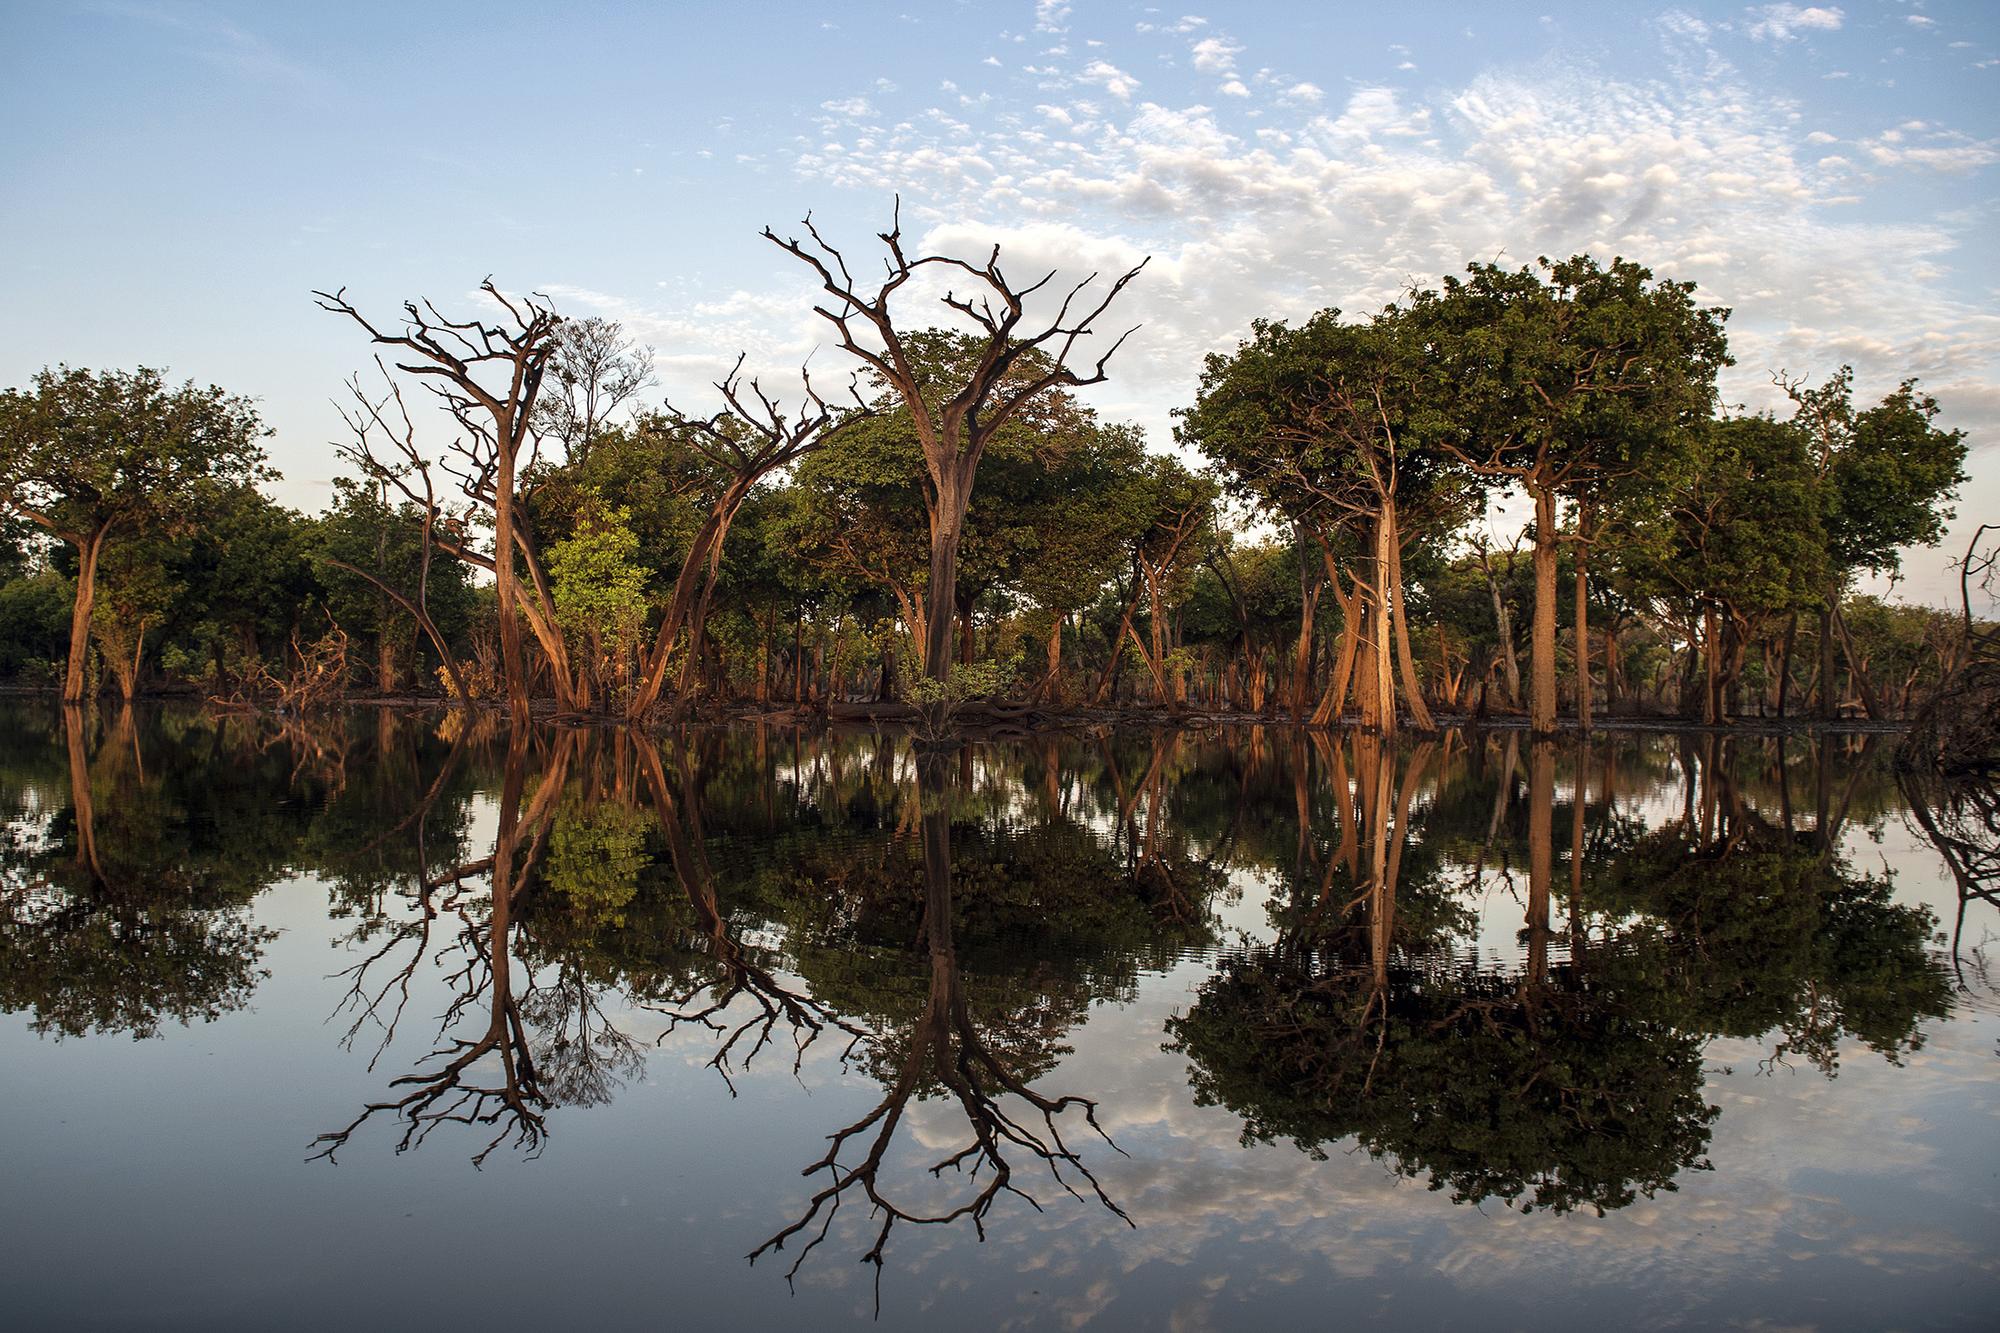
(404, 1022)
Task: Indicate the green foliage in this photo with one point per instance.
(597, 852)
(1888, 472)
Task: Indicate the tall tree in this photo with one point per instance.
(85, 454)
(1565, 378)
(488, 374)
(1329, 424)
(1887, 475)
(1734, 541)
(954, 420)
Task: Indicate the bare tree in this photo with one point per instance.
(953, 425)
(596, 370)
(489, 377)
(751, 437)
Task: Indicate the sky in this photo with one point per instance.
(176, 178)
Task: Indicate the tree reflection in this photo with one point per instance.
(1736, 927)
(1007, 1118)
(734, 973)
(98, 938)
(488, 1078)
(1545, 1090)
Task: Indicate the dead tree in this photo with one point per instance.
(750, 438)
(595, 371)
(953, 425)
(488, 375)
(375, 432)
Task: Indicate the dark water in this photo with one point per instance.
(397, 1023)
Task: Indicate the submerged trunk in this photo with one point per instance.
(1504, 627)
(87, 551)
(1542, 648)
(1406, 664)
(954, 491)
(1582, 616)
(513, 662)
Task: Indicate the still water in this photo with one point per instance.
(404, 1021)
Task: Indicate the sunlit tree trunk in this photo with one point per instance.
(1542, 646)
(87, 551)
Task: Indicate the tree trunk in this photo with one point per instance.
(1406, 662)
(1613, 669)
(1711, 656)
(1582, 617)
(1542, 647)
(1334, 700)
(512, 662)
(1309, 590)
(87, 551)
(1829, 703)
(954, 490)
(1870, 701)
(1504, 627)
(1052, 681)
(1785, 662)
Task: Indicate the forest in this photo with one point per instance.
(937, 526)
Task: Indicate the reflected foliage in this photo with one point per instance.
(528, 913)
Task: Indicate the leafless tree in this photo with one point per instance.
(488, 374)
(954, 425)
(752, 436)
(596, 371)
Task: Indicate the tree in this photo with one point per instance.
(956, 419)
(84, 455)
(369, 550)
(1566, 380)
(488, 375)
(596, 371)
(1330, 424)
(1735, 539)
(751, 437)
(1887, 474)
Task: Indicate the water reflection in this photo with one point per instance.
(1496, 966)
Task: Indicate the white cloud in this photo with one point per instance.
(1700, 174)
(1113, 79)
(1216, 55)
(1784, 22)
(1915, 144)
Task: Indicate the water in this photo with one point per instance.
(402, 1022)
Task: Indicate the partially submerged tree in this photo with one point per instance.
(1566, 380)
(1329, 424)
(84, 455)
(488, 374)
(954, 420)
(1887, 475)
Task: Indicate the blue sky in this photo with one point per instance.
(176, 177)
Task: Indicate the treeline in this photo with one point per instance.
(955, 528)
